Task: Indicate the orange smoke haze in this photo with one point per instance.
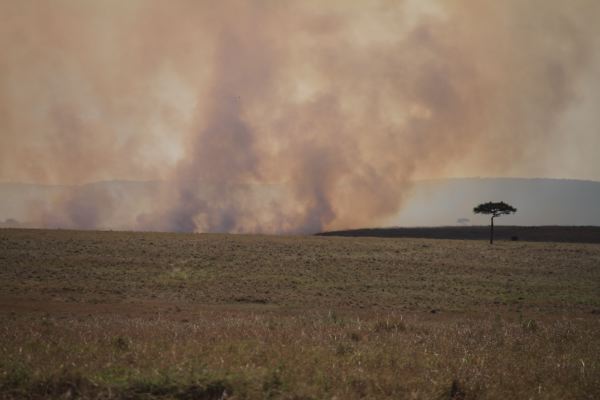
(288, 117)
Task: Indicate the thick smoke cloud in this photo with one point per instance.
(279, 116)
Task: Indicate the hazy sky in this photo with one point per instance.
(341, 103)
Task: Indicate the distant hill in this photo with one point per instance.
(539, 202)
(18, 201)
(443, 202)
(549, 210)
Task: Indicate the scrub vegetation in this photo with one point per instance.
(208, 316)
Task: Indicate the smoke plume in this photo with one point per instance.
(281, 117)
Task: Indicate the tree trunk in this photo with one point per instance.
(492, 232)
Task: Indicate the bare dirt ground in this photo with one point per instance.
(159, 315)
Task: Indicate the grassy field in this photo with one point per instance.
(199, 316)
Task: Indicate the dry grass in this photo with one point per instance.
(124, 315)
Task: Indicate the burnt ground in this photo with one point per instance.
(564, 234)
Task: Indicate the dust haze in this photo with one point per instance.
(286, 117)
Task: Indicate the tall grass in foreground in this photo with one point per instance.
(257, 355)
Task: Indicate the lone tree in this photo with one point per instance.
(496, 210)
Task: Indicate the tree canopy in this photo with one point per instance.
(496, 209)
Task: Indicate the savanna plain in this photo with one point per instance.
(128, 315)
